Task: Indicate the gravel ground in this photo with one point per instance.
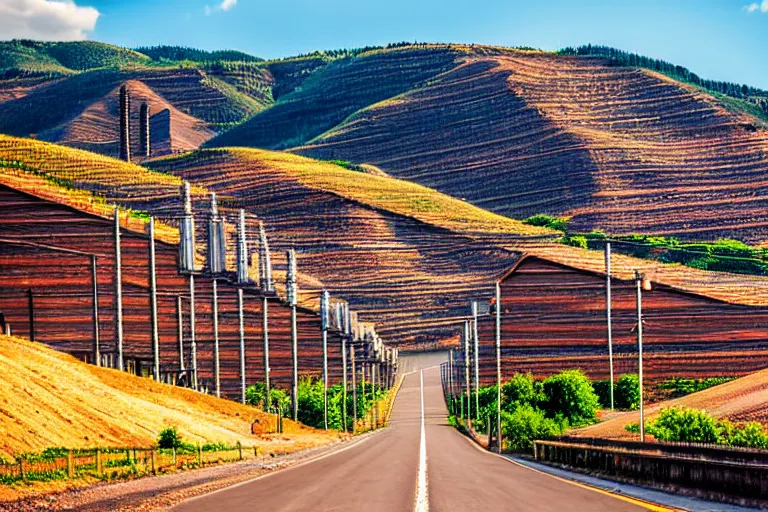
(163, 492)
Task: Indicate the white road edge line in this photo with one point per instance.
(422, 495)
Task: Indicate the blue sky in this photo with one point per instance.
(719, 39)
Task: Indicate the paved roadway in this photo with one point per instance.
(388, 471)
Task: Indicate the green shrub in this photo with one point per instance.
(680, 386)
(486, 396)
(547, 221)
(521, 389)
(680, 424)
(603, 391)
(526, 424)
(571, 395)
(748, 435)
(169, 438)
(626, 392)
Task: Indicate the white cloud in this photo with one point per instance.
(46, 20)
(226, 5)
(754, 6)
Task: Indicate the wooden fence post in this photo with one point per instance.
(98, 461)
(70, 464)
(200, 454)
(174, 455)
(240, 449)
(22, 469)
(153, 456)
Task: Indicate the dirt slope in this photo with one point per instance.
(519, 133)
(744, 399)
(51, 399)
(97, 128)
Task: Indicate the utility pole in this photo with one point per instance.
(118, 292)
(95, 295)
(641, 284)
(192, 333)
(608, 307)
(476, 340)
(187, 264)
(242, 279)
(450, 381)
(267, 288)
(292, 291)
(324, 299)
(153, 300)
(498, 366)
(216, 354)
(342, 325)
(354, 386)
(466, 374)
(180, 332)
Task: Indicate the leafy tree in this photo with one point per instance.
(521, 389)
(570, 394)
(169, 438)
(526, 424)
(627, 392)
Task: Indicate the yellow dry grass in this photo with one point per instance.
(49, 399)
(393, 195)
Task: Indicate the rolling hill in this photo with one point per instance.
(622, 149)
(76, 405)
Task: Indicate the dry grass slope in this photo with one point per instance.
(51, 399)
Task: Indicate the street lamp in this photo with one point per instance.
(641, 284)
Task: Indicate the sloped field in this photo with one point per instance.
(744, 399)
(620, 149)
(51, 399)
(408, 258)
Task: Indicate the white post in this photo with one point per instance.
(292, 291)
(466, 374)
(498, 365)
(118, 293)
(153, 300)
(476, 340)
(608, 307)
(639, 282)
(216, 355)
(265, 328)
(192, 331)
(324, 303)
(241, 320)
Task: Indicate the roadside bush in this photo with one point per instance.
(570, 394)
(603, 391)
(526, 424)
(626, 392)
(748, 435)
(680, 386)
(169, 438)
(487, 398)
(680, 424)
(311, 402)
(548, 221)
(521, 389)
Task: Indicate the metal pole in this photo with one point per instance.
(450, 380)
(639, 279)
(354, 386)
(118, 293)
(466, 374)
(153, 301)
(192, 333)
(180, 332)
(241, 320)
(498, 366)
(476, 339)
(265, 327)
(344, 378)
(608, 306)
(373, 397)
(324, 297)
(292, 293)
(96, 333)
(216, 355)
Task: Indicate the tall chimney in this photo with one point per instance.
(144, 141)
(242, 251)
(125, 124)
(187, 233)
(216, 241)
(265, 262)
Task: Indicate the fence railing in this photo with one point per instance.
(664, 464)
(114, 462)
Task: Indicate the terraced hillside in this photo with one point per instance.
(520, 132)
(402, 254)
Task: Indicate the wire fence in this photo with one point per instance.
(58, 464)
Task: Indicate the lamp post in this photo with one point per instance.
(641, 284)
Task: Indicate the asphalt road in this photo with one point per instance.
(420, 457)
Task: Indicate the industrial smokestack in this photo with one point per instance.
(242, 251)
(265, 262)
(187, 233)
(216, 241)
(144, 141)
(125, 124)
